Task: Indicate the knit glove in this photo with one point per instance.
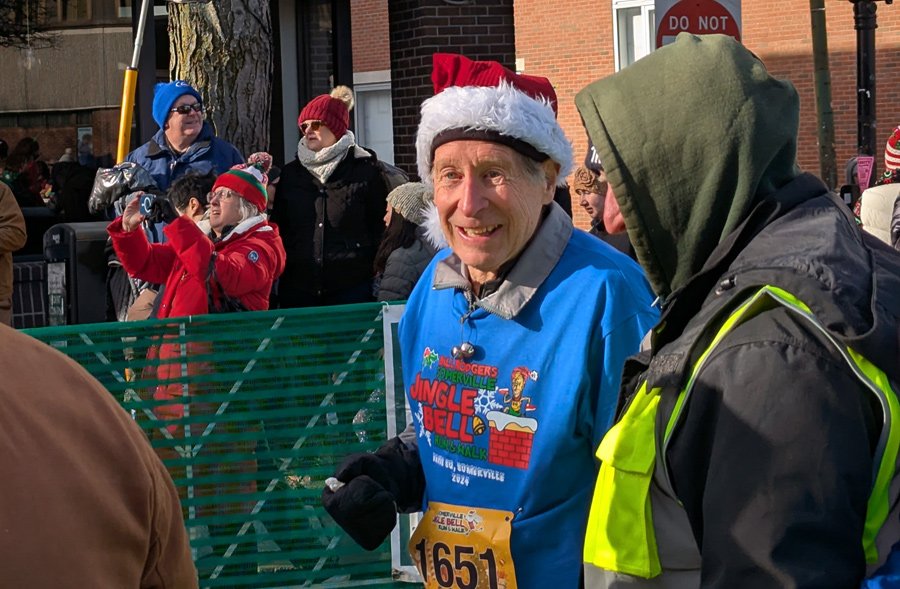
(375, 487)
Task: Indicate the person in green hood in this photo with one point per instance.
(757, 442)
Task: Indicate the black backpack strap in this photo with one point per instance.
(219, 301)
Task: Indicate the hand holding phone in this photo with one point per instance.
(146, 200)
(133, 216)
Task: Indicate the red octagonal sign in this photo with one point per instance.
(701, 17)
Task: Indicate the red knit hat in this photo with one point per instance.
(484, 100)
(332, 109)
(892, 151)
(249, 180)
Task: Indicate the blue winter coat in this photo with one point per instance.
(888, 575)
(207, 153)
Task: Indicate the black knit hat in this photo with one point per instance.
(592, 159)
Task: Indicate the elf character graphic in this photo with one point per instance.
(515, 403)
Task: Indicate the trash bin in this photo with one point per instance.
(29, 292)
(76, 273)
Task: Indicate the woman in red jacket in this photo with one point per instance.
(231, 268)
(241, 257)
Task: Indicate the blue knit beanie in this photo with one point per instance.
(165, 95)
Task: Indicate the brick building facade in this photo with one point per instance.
(576, 44)
(481, 30)
(371, 45)
(582, 40)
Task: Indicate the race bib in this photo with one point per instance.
(464, 547)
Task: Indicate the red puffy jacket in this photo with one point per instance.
(247, 262)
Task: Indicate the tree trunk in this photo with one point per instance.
(224, 49)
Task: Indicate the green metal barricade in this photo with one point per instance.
(251, 412)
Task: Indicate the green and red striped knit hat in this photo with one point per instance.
(249, 180)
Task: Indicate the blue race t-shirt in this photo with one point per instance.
(515, 426)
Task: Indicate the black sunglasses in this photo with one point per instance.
(185, 109)
(311, 125)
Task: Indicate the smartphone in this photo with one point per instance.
(146, 203)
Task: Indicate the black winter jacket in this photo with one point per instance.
(403, 268)
(330, 231)
(772, 457)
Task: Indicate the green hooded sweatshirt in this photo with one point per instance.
(691, 137)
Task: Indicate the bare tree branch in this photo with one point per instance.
(25, 23)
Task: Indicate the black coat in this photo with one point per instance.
(330, 231)
(403, 268)
(772, 458)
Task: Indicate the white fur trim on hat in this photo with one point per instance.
(431, 221)
(503, 109)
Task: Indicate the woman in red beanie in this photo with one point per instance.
(329, 207)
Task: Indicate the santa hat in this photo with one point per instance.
(332, 109)
(892, 151)
(249, 180)
(484, 100)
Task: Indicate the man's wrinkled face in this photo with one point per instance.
(180, 127)
(488, 201)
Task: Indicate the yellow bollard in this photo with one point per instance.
(128, 90)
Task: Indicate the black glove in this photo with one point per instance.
(162, 211)
(376, 486)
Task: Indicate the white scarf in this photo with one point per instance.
(323, 162)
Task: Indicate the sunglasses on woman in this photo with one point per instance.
(184, 109)
(311, 126)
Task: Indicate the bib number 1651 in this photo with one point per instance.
(460, 566)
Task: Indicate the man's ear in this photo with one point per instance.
(194, 206)
(551, 172)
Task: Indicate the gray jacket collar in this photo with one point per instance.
(532, 268)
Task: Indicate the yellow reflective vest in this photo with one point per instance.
(639, 529)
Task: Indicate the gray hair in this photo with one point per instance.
(248, 209)
(533, 169)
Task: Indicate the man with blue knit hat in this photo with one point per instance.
(184, 142)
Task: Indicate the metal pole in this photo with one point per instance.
(143, 126)
(129, 86)
(822, 76)
(864, 21)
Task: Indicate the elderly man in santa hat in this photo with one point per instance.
(520, 301)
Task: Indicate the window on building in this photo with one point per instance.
(373, 112)
(634, 30)
(159, 8)
(67, 11)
